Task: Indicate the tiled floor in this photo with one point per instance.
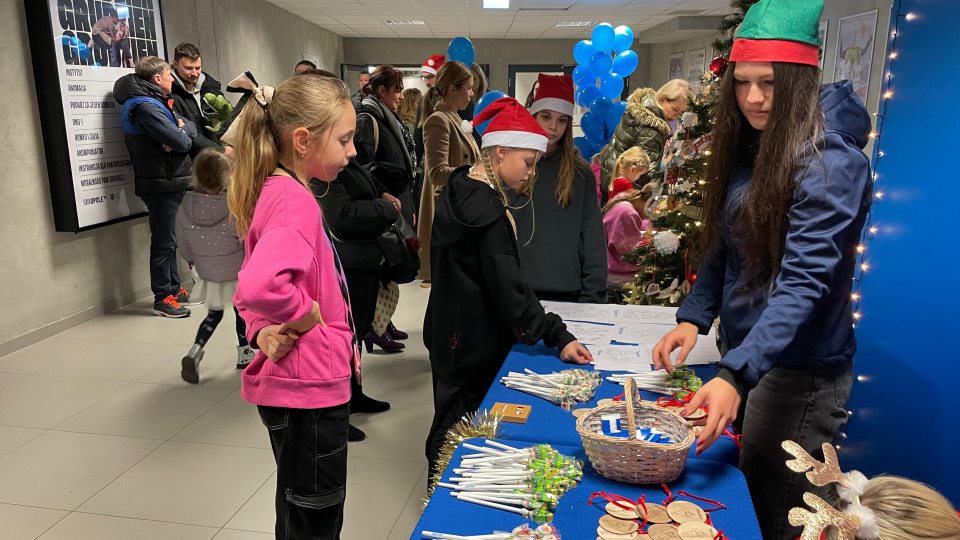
(100, 439)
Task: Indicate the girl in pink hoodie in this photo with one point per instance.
(293, 296)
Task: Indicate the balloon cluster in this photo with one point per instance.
(603, 62)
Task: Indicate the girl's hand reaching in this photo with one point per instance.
(683, 336)
(306, 323)
(575, 353)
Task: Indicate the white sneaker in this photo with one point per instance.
(245, 355)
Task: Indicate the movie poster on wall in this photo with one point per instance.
(696, 67)
(675, 67)
(80, 48)
(855, 35)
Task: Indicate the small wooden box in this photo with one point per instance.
(511, 412)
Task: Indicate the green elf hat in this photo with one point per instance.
(780, 31)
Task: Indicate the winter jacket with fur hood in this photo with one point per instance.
(643, 124)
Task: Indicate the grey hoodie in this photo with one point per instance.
(208, 238)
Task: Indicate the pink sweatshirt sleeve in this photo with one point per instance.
(267, 281)
(627, 230)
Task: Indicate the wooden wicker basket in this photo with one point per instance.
(630, 460)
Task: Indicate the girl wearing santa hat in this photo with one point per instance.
(479, 305)
(558, 216)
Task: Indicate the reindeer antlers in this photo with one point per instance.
(822, 473)
(824, 516)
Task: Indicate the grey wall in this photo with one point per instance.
(49, 280)
(499, 53)
(660, 57)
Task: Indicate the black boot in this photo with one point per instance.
(355, 434)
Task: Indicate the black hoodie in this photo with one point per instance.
(479, 305)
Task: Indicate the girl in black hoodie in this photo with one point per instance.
(479, 306)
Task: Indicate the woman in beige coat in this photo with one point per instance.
(448, 143)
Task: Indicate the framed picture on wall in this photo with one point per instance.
(823, 42)
(675, 68)
(855, 41)
(696, 67)
(79, 50)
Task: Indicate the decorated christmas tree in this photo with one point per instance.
(668, 256)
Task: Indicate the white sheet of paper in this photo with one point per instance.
(596, 313)
(620, 358)
(640, 333)
(596, 334)
(646, 314)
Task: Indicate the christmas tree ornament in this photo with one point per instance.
(718, 66)
(666, 242)
(686, 512)
(664, 532)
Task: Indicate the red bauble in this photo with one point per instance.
(718, 66)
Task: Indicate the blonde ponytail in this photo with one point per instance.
(450, 73)
(309, 101)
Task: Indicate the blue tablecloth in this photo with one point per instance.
(549, 424)
(576, 520)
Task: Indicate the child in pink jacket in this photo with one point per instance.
(293, 296)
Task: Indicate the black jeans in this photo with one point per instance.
(807, 407)
(310, 448)
(164, 278)
(450, 404)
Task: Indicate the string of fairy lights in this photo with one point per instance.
(870, 229)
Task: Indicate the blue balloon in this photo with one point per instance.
(486, 100)
(582, 76)
(603, 37)
(611, 86)
(623, 39)
(601, 107)
(598, 147)
(461, 50)
(483, 127)
(585, 146)
(625, 63)
(582, 52)
(616, 111)
(600, 63)
(586, 94)
(592, 126)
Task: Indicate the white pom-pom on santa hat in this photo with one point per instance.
(433, 64)
(511, 126)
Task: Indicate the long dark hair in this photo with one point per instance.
(570, 163)
(796, 121)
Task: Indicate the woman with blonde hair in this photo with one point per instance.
(558, 215)
(625, 220)
(408, 107)
(448, 143)
(645, 123)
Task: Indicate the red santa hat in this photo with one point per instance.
(433, 63)
(510, 125)
(555, 93)
(619, 186)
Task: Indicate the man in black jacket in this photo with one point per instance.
(158, 140)
(190, 86)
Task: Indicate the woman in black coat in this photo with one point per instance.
(385, 148)
(357, 210)
(380, 137)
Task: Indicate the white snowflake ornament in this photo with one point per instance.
(667, 242)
